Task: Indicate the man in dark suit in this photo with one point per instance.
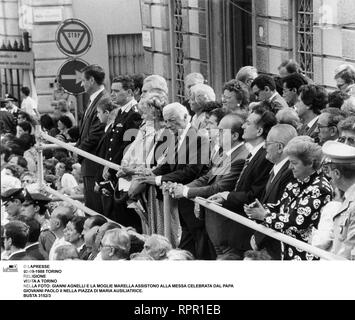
(234, 238)
(279, 176)
(264, 89)
(223, 173)
(313, 99)
(182, 164)
(91, 131)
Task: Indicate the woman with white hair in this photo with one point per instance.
(299, 209)
(138, 155)
(140, 158)
(200, 94)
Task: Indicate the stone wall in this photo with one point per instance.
(48, 58)
(156, 17)
(9, 27)
(334, 37)
(274, 36)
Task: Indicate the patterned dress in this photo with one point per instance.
(298, 212)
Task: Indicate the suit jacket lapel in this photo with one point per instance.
(90, 111)
(313, 128)
(252, 161)
(276, 179)
(218, 168)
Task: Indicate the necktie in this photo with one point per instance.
(247, 160)
(176, 149)
(268, 184)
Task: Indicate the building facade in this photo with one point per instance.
(174, 38)
(217, 37)
(116, 31)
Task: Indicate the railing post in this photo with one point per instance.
(39, 156)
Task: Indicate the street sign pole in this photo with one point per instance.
(73, 38)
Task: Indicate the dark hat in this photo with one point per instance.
(37, 198)
(12, 194)
(338, 152)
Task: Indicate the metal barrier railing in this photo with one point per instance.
(227, 213)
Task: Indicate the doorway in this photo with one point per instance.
(239, 37)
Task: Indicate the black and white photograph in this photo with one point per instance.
(177, 150)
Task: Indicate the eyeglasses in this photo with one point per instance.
(107, 246)
(104, 246)
(347, 140)
(268, 143)
(322, 127)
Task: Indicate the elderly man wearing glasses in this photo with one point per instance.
(347, 131)
(328, 124)
(115, 245)
(280, 175)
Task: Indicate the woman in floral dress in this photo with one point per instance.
(299, 209)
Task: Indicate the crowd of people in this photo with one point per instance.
(279, 150)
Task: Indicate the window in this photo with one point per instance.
(126, 54)
(179, 50)
(305, 36)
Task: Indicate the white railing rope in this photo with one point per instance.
(80, 152)
(269, 232)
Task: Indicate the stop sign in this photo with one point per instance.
(70, 75)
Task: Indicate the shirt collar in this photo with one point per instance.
(95, 94)
(273, 96)
(278, 167)
(229, 153)
(128, 106)
(254, 150)
(31, 245)
(80, 248)
(184, 133)
(108, 125)
(45, 225)
(19, 251)
(312, 122)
